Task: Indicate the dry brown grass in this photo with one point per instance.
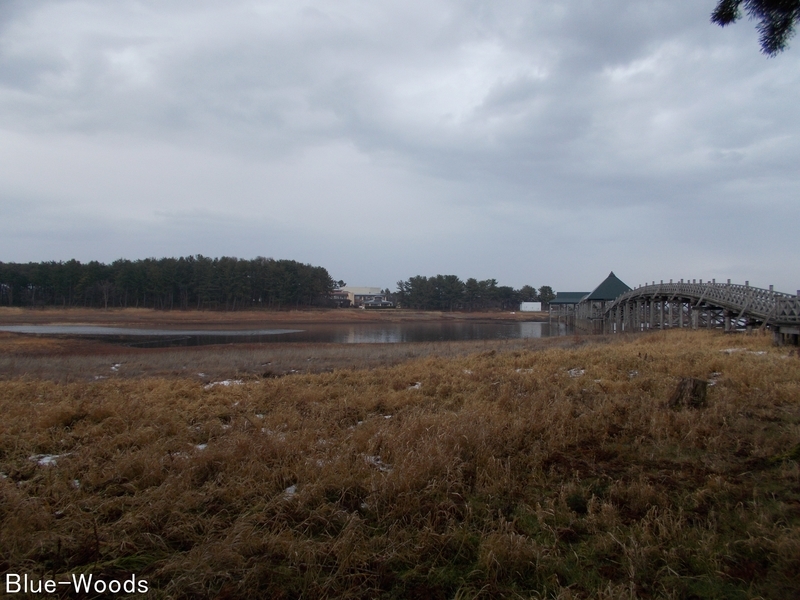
(69, 360)
(503, 473)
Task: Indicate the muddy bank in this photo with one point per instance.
(139, 317)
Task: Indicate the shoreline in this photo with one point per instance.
(140, 317)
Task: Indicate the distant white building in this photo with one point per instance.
(530, 307)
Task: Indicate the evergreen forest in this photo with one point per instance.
(197, 282)
(448, 292)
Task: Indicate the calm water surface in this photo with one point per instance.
(342, 333)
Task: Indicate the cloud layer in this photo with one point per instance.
(533, 142)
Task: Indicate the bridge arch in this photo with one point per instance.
(712, 305)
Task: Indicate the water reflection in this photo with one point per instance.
(364, 333)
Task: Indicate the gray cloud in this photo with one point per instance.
(535, 142)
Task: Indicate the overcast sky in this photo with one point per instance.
(539, 142)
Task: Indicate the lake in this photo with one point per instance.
(339, 333)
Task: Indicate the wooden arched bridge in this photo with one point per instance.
(697, 304)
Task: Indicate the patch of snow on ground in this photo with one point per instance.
(116, 366)
(576, 372)
(416, 386)
(376, 461)
(46, 460)
(201, 446)
(289, 492)
(226, 383)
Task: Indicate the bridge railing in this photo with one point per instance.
(766, 305)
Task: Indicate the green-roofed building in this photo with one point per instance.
(589, 313)
(610, 289)
(568, 297)
(563, 305)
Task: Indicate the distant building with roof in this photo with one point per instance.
(589, 312)
(568, 298)
(367, 297)
(564, 304)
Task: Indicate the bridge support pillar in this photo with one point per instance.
(726, 317)
(661, 314)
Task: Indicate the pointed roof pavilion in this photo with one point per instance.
(609, 289)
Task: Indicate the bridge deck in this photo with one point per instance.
(698, 304)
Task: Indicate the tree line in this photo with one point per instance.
(199, 282)
(448, 292)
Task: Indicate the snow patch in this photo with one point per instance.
(376, 462)
(226, 383)
(47, 460)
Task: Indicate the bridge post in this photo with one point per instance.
(631, 316)
(638, 316)
(680, 313)
(726, 316)
(644, 313)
